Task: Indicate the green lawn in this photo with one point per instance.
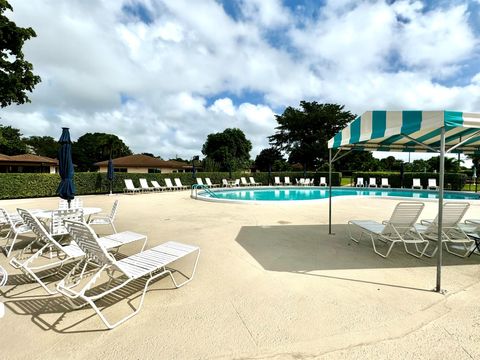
(345, 181)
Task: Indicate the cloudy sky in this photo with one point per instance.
(162, 75)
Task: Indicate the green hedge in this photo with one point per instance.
(27, 185)
(453, 181)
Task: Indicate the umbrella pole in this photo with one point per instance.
(330, 191)
(438, 288)
(111, 187)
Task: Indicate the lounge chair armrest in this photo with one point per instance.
(426, 222)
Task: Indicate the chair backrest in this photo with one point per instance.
(360, 181)
(453, 213)
(86, 240)
(323, 180)
(287, 179)
(432, 182)
(178, 182)
(199, 181)
(113, 213)
(5, 218)
(416, 182)
(168, 182)
(237, 182)
(225, 182)
(37, 228)
(144, 183)
(155, 184)
(384, 181)
(243, 180)
(405, 215)
(277, 180)
(209, 183)
(252, 180)
(57, 226)
(74, 204)
(129, 184)
(373, 181)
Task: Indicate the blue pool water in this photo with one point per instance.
(295, 193)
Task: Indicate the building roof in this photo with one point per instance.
(140, 160)
(27, 158)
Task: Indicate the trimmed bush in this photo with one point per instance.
(26, 185)
(453, 181)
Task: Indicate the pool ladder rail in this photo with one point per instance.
(195, 187)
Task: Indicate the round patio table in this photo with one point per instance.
(87, 212)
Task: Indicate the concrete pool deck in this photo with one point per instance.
(270, 284)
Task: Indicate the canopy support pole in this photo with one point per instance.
(463, 141)
(330, 191)
(438, 288)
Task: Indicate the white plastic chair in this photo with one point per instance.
(385, 183)
(237, 182)
(359, 182)
(244, 181)
(209, 183)
(75, 203)
(200, 182)
(130, 188)
(57, 227)
(225, 183)
(277, 181)
(323, 181)
(372, 182)
(286, 180)
(170, 186)
(253, 182)
(432, 184)
(17, 227)
(144, 185)
(395, 230)
(150, 264)
(179, 184)
(306, 182)
(417, 184)
(157, 186)
(105, 219)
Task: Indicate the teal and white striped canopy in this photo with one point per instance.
(410, 131)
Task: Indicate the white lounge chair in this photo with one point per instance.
(16, 227)
(359, 182)
(417, 184)
(253, 182)
(179, 184)
(3, 278)
(372, 182)
(56, 225)
(385, 183)
(157, 186)
(323, 181)
(453, 234)
(169, 184)
(277, 181)
(144, 185)
(75, 203)
(150, 264)
(286, 180)
(200, 182)
(244, 181)
(225, 183)
(312, 181)
(105, 219)
(209, 183)
(236, 183)
(130, 188)
(395, 230)
(306, 182)
(432, 184)
(66, 253)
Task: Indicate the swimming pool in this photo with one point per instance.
(316, 193)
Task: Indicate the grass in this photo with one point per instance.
(346, 181)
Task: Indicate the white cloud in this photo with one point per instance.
(164, 86)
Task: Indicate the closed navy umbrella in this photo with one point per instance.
(66, 189)
(110, 173)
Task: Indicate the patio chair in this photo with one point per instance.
(225, 183)
(3, 277)
(372, 182)
(244, 181)
(179, 184)
(130, 188)
(432, 184)
(385, 183)
(56, 225)
(236, 183)
(209, 183)
(416, 184)
(395, 230)
(157, 186)
(323, 181)
(144, 185)
(170, 186)
(453, 234)
(359, 182)
(277, 181)
(253, 182)
(306, 182)
(74, 204)
(286, 181)
(16, 227)
(65, 253)
(150, 264)
(105, 218)
(200, 182)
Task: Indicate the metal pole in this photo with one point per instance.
(440, 210)
(330, 191)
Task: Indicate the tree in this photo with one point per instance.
(451, 164)
(91, 148)
(357, 160)
(43, 145)
(304, 132)
(230, 149)
(390, 163)
(16, 76)
(272, 158)
(11, 142)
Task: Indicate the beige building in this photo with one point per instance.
(27, 163)
(139, 163)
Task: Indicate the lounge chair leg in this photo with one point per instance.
(189, 278)
(379, 253)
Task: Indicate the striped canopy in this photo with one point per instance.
(410, 131)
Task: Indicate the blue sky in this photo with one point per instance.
(163, 75)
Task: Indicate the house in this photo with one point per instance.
(27, 163)
(140, 163)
